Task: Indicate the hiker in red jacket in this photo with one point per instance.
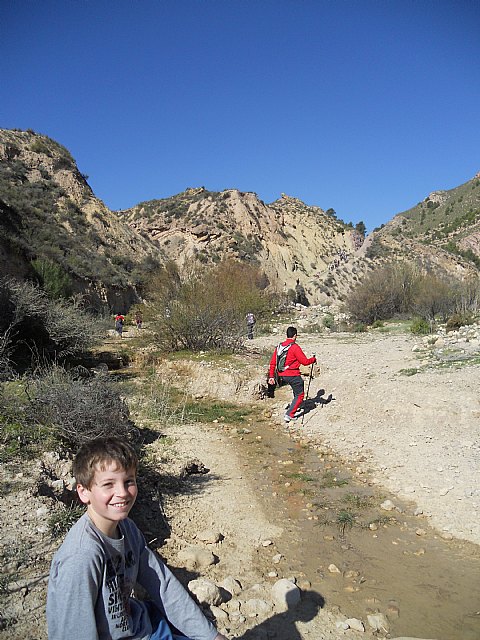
(289, 370)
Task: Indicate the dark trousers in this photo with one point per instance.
(296, 382)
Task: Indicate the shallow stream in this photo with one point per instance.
(388, 561)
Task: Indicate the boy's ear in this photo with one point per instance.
(83, 493)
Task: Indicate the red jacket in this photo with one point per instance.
(295, 357)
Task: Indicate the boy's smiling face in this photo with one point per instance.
(111, 496)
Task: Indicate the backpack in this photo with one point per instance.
(281, 352)
(250, 318)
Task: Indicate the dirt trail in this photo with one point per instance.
(418, 434)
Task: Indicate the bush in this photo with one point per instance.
(359, 327)
(53, 279)
(458, 320)
(420, 326)
(32, 323)
(19, 437)
(433, 296)
(328, 321)
(76, 409)
(382, 293)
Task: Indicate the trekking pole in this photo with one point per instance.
(308, 389)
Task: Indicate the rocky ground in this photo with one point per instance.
(404, 415)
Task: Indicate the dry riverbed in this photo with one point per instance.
(265, 511)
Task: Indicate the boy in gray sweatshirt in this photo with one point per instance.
(104, 556)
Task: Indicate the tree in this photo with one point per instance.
(433, 296)
(361, 228)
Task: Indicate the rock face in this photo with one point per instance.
(296, 245)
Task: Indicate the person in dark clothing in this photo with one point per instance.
(291, 371)
(250, 320)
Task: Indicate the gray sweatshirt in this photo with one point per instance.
(90, 585)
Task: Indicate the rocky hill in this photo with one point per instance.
(441, 233)
(49, 213)
(292, 242)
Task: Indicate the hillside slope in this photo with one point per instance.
(49, 212)
(441, 233)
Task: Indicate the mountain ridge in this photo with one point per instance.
(49, 211)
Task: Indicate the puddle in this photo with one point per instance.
(426, 586)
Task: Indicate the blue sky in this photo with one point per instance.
(363, 106)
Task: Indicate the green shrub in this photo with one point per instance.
(63, 518)
(378, 324)
(359, 327)
(328, 321)
(420, 326)
(53, 278)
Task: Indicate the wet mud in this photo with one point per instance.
(358, 556)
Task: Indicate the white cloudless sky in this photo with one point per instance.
(363, 106)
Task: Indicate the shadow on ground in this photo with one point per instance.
(282, 626)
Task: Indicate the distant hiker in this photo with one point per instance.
(105, 556)
(119, 320)
(285, 363)
(250, 320)
(138, 320)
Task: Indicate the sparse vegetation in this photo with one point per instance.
(345, 519)
(330, 480)
(31, 323)
(63, 518)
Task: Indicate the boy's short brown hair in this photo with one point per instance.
(97, 454)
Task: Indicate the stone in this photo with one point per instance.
(378, 622)
(387, 505)
(393, 612)
(205, 591)
(285, 594)
(209, 536)
(256, 607)
(233, 606)
(219, 614)
(355, 624)
(232, 585)
(333, 568)
(196, 558)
